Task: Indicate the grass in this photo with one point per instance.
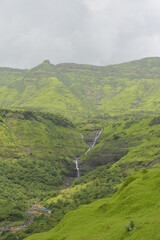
(136, 204)
(124, 147)
(36, 157)
(130, 143)
(39, 146)
(66, 194)
(84, 91)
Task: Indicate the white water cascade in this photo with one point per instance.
(77, 167)
(91, 146)
(81, 135)
(94, 142)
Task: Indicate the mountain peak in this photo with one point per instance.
(46, 61)
(45, 66)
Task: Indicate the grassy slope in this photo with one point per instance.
(80, 91)
(139, 138)
(132, 143)
(85, 89)
(36, 157)
(110, 218)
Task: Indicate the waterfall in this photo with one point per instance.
(77, 167)
(81, 135)
(96, 138)
(94, 142)
(91, 146)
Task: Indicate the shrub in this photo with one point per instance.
(129, 227)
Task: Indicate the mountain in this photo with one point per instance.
(120, 151)
(84, 91)
(37, 156)
(107, 119)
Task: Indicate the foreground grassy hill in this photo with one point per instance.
(82, 91)
(36, 158)
(132, 213)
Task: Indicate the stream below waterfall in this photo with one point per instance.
(90, 147)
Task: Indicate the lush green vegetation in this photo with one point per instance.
(82, 91)
(137, 138)
(39, 146)
(133, 213)
(36, 159)
(85, 190)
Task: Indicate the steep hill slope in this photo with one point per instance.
(82, 91)
(130, 143)
(37, 157)
(123, 148)
(133, 213)
(39, 146)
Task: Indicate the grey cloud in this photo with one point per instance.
(98, 32)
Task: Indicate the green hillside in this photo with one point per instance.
(49, 116)
(133, 213)
(82, 91)
(129, 143)
(36, 157)
(124, 147)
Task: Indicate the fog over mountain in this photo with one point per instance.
(98, 32)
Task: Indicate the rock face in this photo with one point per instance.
(92, 144)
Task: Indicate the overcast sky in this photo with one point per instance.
(98, 32)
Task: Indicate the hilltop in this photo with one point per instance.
(84, 91)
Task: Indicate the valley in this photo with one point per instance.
(81, 142)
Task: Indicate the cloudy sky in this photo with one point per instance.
(98, 32)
